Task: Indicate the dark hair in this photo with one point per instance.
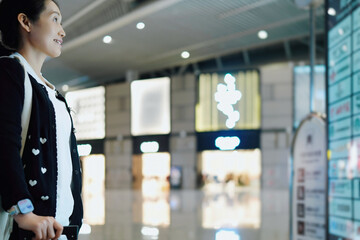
(9, 24)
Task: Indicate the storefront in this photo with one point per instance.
(151, 163)
(150, 129)
(228, 135)
(88, 113)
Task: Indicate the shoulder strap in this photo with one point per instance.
(26, 112)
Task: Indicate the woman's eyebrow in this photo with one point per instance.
(56, 12)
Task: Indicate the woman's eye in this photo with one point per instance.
(55, 19)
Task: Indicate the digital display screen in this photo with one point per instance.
(343, 101)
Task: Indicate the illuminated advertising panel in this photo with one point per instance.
(343, 104)
(228, 101)
(150, 144)
(150, 106)
(88, 112)
(228, 140)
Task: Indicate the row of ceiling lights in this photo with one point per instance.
(262, 34)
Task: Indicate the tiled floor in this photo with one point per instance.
(216, 214)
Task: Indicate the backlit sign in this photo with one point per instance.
(228, 101)
(227, 143)
(88, 112)
(150, 106)
(149, 147)
(84, 149)
(227, 96)
(227, 235)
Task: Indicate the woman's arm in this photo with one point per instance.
(42, 227)
(13, 186)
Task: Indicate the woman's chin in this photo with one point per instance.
(55, 54)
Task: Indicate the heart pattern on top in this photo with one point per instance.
(43, 170)
(43, 140)
(35, 151)
(32, 182)
(44, 198)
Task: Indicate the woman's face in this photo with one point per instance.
(47, 33)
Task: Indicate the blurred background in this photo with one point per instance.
(185, 112)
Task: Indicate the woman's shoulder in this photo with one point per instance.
(9, 62)
(12, 67)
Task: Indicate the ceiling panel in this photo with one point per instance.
(70, 7)
(206, 28)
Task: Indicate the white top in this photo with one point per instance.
(65, 200)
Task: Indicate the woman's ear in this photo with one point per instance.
(24, 22)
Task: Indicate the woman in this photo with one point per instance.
(42, 188)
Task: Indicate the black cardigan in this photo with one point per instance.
(39, 159)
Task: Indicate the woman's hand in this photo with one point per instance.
(44, 228)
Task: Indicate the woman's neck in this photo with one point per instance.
(35, 60)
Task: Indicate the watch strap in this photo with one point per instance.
(14, 210)
(23, 206)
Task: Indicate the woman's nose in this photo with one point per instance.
(62, 32)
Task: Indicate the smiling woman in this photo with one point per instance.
(40, 176)
(45, 35)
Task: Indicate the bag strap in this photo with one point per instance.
(26, 112)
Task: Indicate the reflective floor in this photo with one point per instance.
(216, 213)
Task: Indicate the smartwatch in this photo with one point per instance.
(23, 206)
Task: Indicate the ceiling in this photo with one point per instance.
(207, 29)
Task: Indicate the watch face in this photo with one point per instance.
(25, 206)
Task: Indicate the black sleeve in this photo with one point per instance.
(13, 186)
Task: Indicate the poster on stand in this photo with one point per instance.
(308, 188)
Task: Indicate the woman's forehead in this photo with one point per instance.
(51, 7)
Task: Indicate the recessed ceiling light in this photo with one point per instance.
(263, 34)
(107, 39)
(185, 54)
(65, 88)
(140, 25)
(331, 11)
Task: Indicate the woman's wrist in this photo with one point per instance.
(22, 216)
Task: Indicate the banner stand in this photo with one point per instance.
(308, 180)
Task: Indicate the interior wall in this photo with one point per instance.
(183, 138)
(277, 119)
(118, 144)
